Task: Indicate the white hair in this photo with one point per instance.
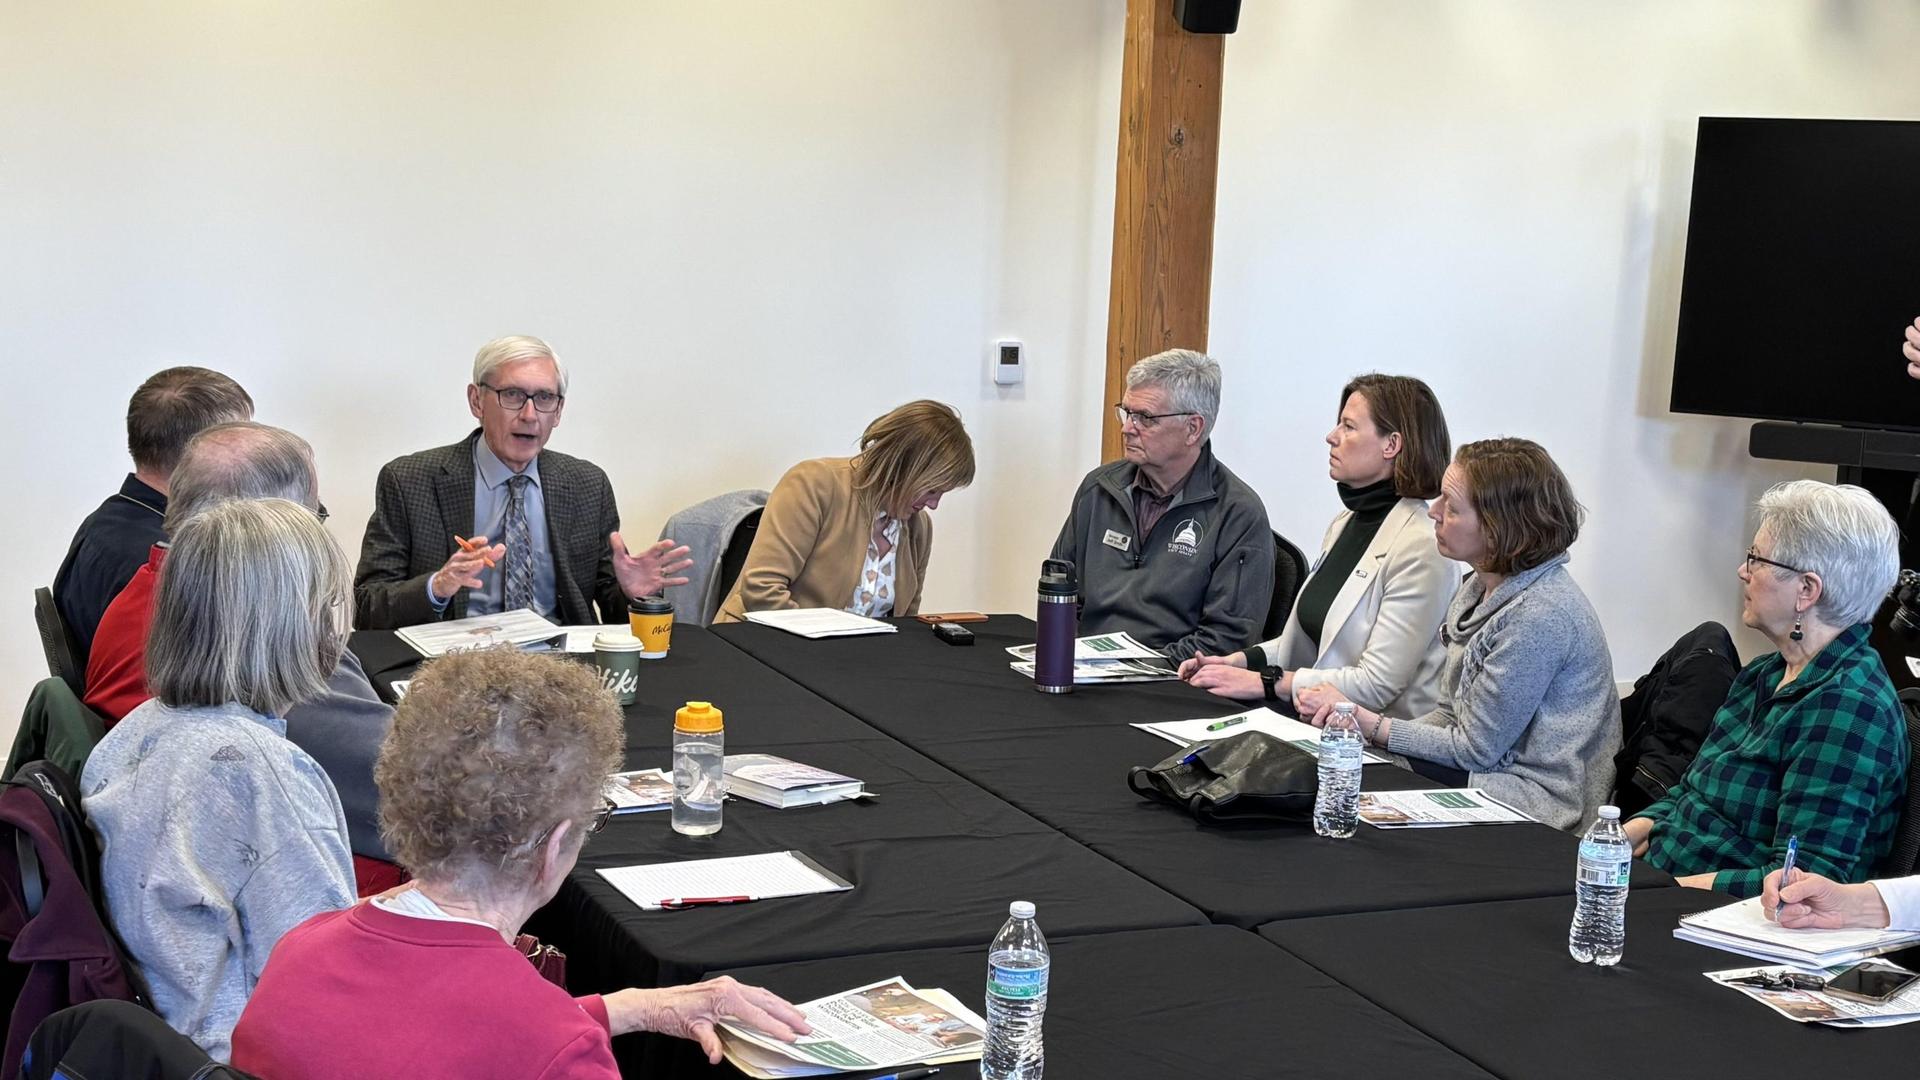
(1840, 532)
(500, 352)
(1191, 381)
(251, 607)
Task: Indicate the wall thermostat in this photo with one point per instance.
(1009, 363)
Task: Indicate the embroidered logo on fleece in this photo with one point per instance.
(1186, 539)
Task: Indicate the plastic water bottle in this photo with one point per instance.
(699, 782)
(1336, 809)
(1599, 933)
(1016, 998)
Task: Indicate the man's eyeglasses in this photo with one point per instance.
(1754, 557)
(1141, 420)
(512, 398)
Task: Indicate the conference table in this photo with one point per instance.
(1258, 950)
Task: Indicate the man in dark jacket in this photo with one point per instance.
(1171, 547)
(496, 522)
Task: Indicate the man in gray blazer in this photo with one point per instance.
(496, 521)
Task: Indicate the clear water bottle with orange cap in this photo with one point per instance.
(699, 784)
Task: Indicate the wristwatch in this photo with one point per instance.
(1270, 678)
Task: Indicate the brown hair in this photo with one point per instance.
(175, 404)
(916, 448)
(1404, 404)
(489, 749)
(1525, 505)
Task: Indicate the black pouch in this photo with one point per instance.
(1247, 777)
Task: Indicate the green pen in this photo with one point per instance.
(1227, 723)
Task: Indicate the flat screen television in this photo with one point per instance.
(1802, 267)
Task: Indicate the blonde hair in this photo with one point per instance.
(489, 749)
(918, 447)
(251, 607)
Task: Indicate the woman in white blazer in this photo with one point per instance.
(1367, 618)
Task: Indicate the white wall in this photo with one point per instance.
(1493, 196)
(752, 226)
(749, 228)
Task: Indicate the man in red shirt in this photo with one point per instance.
(341, 730)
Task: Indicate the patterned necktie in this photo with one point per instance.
(519, 541)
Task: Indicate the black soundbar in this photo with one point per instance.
(1866, 448)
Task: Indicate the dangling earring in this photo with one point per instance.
(1796, 635)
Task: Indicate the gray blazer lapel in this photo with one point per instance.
(453, 491)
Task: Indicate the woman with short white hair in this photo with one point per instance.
(1811, 743)
(217, 835)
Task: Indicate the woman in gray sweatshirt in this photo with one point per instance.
(1527, 707)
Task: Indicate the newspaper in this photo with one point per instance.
(521, 627)
(884, 1025)
(640, 791)
(1285, 728)
(1819, 1007)
(1441, 809)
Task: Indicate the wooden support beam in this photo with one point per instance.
(1163, 198)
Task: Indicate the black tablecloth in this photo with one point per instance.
(1210, 1003)
(1494, 982)
(1064, 759)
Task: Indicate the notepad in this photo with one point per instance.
(1744, 928)
(821, 622)
(654, 886)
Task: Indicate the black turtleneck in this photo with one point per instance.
(1369, 505)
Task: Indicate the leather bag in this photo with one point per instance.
(1251, 776)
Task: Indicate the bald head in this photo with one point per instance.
(241, 460)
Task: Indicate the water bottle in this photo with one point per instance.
(699, 785)
(1599, 933)
(1059, 619)
(1016, 998)
(1336, 808)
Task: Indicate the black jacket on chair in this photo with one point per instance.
(423, 500)
(1669, 713)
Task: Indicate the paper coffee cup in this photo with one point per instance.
(616, 659)
(651, 618)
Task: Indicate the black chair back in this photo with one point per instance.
(62, 651)
(120, 1039)
(1289, 573)
(1905, 857)
(735, 557)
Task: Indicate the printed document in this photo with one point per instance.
(821, 622)
(1439, 809)
(654, 886)
(1819, 1007)
(1285, 728)
(1117, 646)
(640, 791)
(884, 1025)
(522, 628)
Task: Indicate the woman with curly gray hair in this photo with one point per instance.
(490, 782)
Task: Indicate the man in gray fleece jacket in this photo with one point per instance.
(1170, 546)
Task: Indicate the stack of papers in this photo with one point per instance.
(1819, 1007)
(580, 638)
(1105, 658)
(821, 622)
(640, 791)
(1742, 928)
(1285, 728)
(780, 782)
(656, 886)
(887, 1025)
(1442, 808)
(522, 628)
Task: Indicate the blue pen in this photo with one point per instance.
(1786, 868)
(910, 1074)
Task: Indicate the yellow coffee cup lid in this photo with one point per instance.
(698, 716)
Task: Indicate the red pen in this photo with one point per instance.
(678, 902)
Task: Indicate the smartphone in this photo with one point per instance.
(1871, 982)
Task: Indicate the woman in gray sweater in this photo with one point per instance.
(1528, 711)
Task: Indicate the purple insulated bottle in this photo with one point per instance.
(1059, 620)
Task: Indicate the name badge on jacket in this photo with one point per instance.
(1119, 541)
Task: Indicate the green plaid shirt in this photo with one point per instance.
(1823, 758)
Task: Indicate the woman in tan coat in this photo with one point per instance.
(855, 533)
